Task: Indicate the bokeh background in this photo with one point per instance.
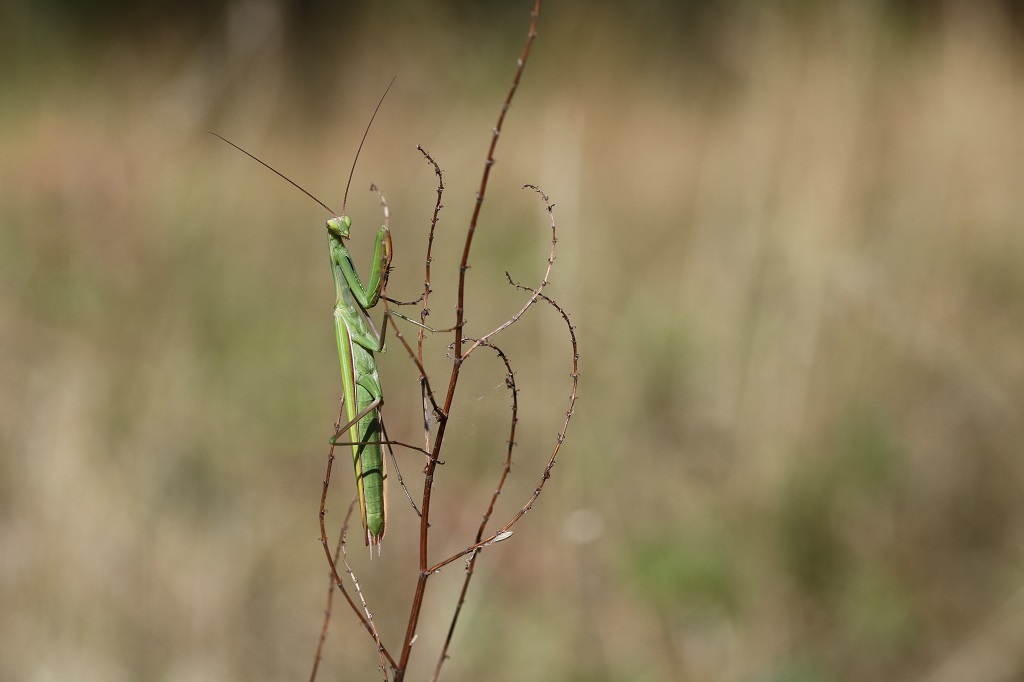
(790, 236)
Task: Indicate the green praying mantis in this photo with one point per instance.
(358, 340)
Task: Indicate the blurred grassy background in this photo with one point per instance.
(790, 236)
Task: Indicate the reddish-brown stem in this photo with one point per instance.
(426, 393)
(496, 133)
(330, 600)
(425, 308)
(359, 591)
(559, 439)
(535, 293)
(442, 415)
(510, 382)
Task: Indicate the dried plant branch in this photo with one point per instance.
(535, 293)
(323, 541)
(425, 309)
(442, 414)
(366, 610)
(429, 400)
(502, 532)
(488, 164)
(435, 410)
(575, 376)
(330, 599)
(510, 382)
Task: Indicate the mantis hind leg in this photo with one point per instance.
(344, 428)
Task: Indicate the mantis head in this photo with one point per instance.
(339, 226)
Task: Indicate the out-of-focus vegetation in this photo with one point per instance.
(791, 238)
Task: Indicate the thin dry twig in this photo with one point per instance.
(442, 414)
(430, 406)
(535, 293)
(323, 541)
(330, 600)
(560, 438)
(424, 298)
(461, 348)
(359, 591)
(501, 533)
(510, 382)
(425, 308)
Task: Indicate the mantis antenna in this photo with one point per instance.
(344, 201)
(277, 172)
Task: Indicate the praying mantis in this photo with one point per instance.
(358, 339)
